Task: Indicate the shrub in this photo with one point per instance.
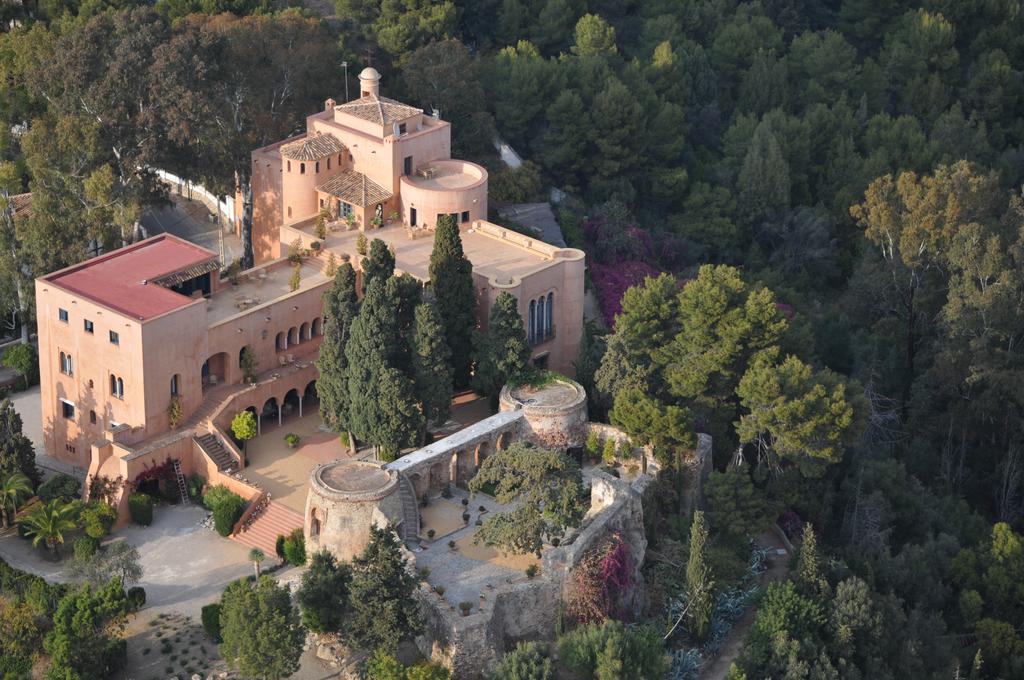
(292, 440)
(140, 506)
(136, 598)
(482, 509)
(343, 439)
(465, 517)
(465, 502)
(465, 607)
(451, 545)
(608, 453)
(25, 360)
(532, 571)
(97, 519)
(361, 244)
(593, 445)
(295, 548)
(431, 533)
(226, 512)
(279, 546)
(195, 487)
(439, 590)
(85, 548)
(211, 621)
(59, 486)
(528, 661)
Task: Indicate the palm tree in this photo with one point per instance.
(14, 487)
(47, 522)
(256, 556)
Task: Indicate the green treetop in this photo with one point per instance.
(451, 277)
(383, 611)
(502, 353)
(380, 263)
(323, 594)
(548, 488)
(699, 581)
(431, 363)
(16, 452)
(261, 630)
(340, 308)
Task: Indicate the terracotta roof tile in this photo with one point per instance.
(312, 148)
(355, 188)
(378, 109)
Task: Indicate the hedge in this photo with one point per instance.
(226, 512)
(140, 506)
(295, 548)
(58, 486)
(211, 621)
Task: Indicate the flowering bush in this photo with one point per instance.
(612, 282)
(600, 582)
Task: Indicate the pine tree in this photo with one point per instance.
(261, 630)
(323, 594)
(380, 263)
(808, 571)
(431, 364)
(383, 611)
(451, 276)
(699, 583)
(501, 351)
(764, 178)
(382, 407)
(340, 308)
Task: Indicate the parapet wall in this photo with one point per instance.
(554, 415)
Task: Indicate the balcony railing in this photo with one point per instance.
(541, 336)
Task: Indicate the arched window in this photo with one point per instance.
(289, 166)
(551, 314)
(531, 326)
(328, 162)
(302, 168)
(113, 384)
(66, 364)
(174, 385)
(317, 169)
(120, 389)
(541, 318)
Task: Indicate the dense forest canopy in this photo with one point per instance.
(852, 168)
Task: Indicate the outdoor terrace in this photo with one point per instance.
(259, 287)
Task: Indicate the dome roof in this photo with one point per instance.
(369, 73)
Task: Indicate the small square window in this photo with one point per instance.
(62, 314)
(115, 339)
(92, 417)
(67, 409)
(88, 326)
(401, 128)
(465, 216)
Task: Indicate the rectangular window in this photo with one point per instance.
(465, 216)
(88, 326)
(346, 209)
(401, 128)
(407, 166)
(328, 162)
(412, 217)
(92, 417)
(115, 339)
(62, 314)
(67, 409)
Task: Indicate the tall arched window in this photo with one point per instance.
(541, 318)
(302, 168)
(551, 315)
(113, 384)
(174, 385)
(531, 326)
(289, 166)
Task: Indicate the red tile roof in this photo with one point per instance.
(121, 279)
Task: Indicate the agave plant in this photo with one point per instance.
(14, 488)
(47, 522)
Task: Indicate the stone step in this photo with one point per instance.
(275, 520)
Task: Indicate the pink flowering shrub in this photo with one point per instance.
(600, 582)
(612, 281)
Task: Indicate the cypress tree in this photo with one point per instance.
(431, 364)
(340, 308)
(699, 584)
(808, 570)
(502, 352)
(383, 610)
(382, 407)
(380, 263)
(451, 276)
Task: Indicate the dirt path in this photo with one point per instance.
(778, 570)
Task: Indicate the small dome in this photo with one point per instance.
(369, 73)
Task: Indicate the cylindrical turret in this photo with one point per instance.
(369, 82)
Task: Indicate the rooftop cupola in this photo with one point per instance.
(369, 82)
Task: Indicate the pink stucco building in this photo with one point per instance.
(141, 348)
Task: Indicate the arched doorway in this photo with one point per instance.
(281, 342)
(504, 440)
(259, 423)
(293, 336)
(465, 467)
(309, 397)
(292, 403)
(304, 332)
(271, 410)
(438, 478)
(314, 328)
(215, 370)
(418, 486)
(481, 454)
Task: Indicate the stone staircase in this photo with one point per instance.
(410, 510)
(274, 520)
(212, 446)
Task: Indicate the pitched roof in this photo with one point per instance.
(312, 148)
(378, 109)
(355, 188)
(126, 280)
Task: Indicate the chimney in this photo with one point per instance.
(329, 104)
(369, 82)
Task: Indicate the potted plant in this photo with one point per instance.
(465, 607)
(376, 222)
(532, 571)
(292, 440)
(350, 221)
(451, 545)
(465, 517)
(482, 509)
(430, 534)
(315, 247)
(465, 502)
